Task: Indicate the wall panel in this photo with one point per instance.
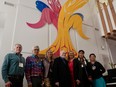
(26, 35)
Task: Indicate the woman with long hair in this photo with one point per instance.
(48, 63)
(71, 64)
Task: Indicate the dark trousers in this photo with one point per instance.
(17, 81)
(36, 81)
(84, 84)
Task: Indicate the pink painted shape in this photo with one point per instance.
(55, 6)
(56, 54)
(39, 24)
(48, 16)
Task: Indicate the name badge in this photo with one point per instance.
(20, 64)
(82, 65)
(93, 67)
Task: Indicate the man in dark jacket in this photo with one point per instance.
(61, 71)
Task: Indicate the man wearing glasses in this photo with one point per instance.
(34, 69)
(61, 73)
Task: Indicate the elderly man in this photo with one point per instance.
(34, 69)
(61, 73)
(13, 68)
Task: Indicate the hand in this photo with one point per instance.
(8, 84)
(42, 83)
(78, 82)
(30, 85)
(57, 84)
(90, 79)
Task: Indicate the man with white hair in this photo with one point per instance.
(34, 69)
(13, 68)
(61, 73)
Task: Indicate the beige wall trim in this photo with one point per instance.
(112, 10)
(108, 17)
(102, 18)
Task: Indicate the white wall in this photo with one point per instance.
(15, 30)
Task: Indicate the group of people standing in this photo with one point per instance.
(64, 71)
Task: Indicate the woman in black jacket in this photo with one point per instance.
(81, 70)
(95, 72)
(71, 65)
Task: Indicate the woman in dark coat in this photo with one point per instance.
(81, 70)
(95, 71)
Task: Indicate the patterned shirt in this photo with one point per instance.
(34, 67)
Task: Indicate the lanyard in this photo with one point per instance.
(20, 58)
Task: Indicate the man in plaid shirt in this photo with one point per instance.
(34, 69)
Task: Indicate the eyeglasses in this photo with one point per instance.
(64, 53)
(49, 52)
(71, 55)
(36, 49)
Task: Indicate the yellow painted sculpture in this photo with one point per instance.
(68, 20)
